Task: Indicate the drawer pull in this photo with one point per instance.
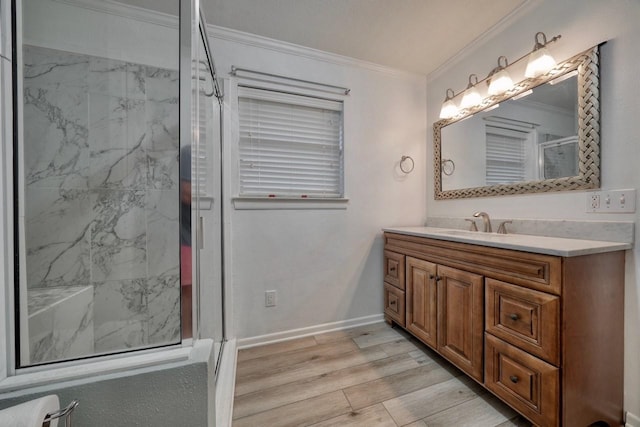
(392, 269)
(514, 316)
(393, 302)
(514, 379)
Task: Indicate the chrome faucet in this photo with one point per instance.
(485, 220)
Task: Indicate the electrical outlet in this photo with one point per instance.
(612, 201)
(270, 298)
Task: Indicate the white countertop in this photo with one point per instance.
(520, 242)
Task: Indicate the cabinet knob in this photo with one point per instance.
(514, 316)
(392, 269)
(431, 276)
(393, 302)
(438, 278)
(514, 379)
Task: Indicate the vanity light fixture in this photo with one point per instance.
(540, 60)
(499, 79)
(449, 108)
(471, 96)
(539, 63)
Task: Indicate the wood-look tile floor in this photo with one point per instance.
(369, 376)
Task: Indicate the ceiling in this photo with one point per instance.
(411, 35)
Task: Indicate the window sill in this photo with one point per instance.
(276, 203)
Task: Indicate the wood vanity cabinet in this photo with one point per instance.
(543, 333)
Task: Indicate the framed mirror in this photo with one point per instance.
(542, 135)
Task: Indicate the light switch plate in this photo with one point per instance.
(612, 201)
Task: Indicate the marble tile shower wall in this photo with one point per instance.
(101, 190)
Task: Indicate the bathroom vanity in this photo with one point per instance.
(538, 321)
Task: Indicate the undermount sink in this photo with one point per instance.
(475, 234)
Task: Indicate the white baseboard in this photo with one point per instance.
(632, 420)
(225, 384)
(310, 330)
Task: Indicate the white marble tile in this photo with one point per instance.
(120, 300)
(162, 144)
(163, 121)
(57, 232)
(116, 135)
(64, 328)
(120, 335)
(55, 139)
(162, 85)
(55, 116)
(54, 69)
(118, 240)
(163, 297)
(120, 314)
(163, 231)
(103, 135)
(116, 78)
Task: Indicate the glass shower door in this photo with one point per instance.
(97, 172)
(207, 193)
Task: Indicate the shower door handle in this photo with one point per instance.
(200, 232)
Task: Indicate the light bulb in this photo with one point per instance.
(471, 96)
(449, 108)
(540, 60)
(500, 83)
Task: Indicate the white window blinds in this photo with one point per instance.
(505, 155)
(290, 145)
(199, 153)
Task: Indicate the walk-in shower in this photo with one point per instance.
(112, 193)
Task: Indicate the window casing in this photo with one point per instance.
(290, 146)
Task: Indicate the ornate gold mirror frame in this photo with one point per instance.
(586, 63)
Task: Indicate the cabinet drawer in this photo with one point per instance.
(525, 382)
(394, 269)
(394, 304)
(523, 317)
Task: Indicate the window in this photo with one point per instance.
(291, 146)
(506, 155)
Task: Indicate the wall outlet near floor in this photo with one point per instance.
(612, 201)
(270, 298)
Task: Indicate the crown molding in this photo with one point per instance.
(249, 39)
(115, 8)
(521, 10)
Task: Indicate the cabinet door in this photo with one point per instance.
(421, 300)
(460, 319)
